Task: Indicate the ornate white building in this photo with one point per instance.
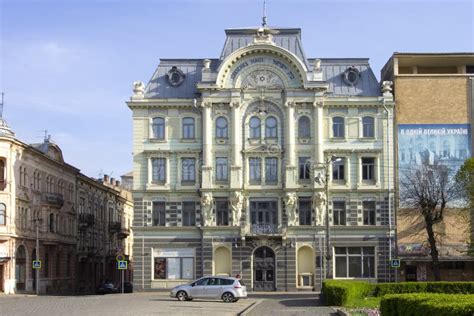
(226, 154)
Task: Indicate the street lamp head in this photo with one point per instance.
(335, 159)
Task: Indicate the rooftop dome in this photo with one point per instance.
(5, 130)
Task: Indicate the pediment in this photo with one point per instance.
(267, 149)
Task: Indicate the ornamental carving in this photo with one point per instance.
(262, 79)
(319, 203)
(291, 201)
(236, 205)
(207, 209)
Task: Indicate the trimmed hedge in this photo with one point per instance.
(342, 292)
(421, 304)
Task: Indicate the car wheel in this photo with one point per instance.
(181, 296)
(227, 297)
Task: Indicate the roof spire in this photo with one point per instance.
(264, 17)
(1, 107)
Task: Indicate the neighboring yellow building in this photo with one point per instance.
(434, 116)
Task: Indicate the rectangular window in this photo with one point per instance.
(189, 214)
(339, 213)
(271, 170)
(188, 128)
(188, 170)
(369, 212)
(338, 170)
(158, 128)
(174, 268)
(304, 168)
(255, 170)
(304, 210)
(368, 168)
(158, 170)
(159, 214)
(355, 262)
(222, 169)
(222, 210)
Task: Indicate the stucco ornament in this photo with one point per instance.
(291, 200)
(262, 78)
(319, 203)
(207, 209)
(236, 205)
(138, 90)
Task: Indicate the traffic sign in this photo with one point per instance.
(395, 263)
(122, 265)
(120, 258)
(36, 264)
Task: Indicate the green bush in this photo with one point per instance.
(419, 287)
(341, 293)
(420, 304)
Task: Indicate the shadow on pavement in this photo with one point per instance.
(283, 296)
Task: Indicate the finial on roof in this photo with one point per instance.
(1, 107)
(264, 17)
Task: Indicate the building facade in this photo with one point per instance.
(434, 95)
(45, 201)
(226, 154)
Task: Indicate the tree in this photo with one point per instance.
(465, 179)
(428, 189)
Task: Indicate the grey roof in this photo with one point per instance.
(289, 39)
(333, 70)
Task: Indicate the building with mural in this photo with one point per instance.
(433, 119)
(226, 154)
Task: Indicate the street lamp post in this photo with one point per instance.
(38, 222)
(325, 165)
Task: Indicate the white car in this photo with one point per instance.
(227, 289)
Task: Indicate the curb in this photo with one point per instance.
(248, 309)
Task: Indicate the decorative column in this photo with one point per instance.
(236, 165)
(291, 170)
(207, 145)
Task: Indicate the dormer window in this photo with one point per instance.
(175, 76)
(351, 76)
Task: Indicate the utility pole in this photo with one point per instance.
(37, 221)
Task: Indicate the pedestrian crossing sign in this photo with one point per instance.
(122, 265)
(395, 263)
(36, 264)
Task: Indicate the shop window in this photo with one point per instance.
(173, 268)
(354, 262)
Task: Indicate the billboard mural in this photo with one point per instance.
(425, 144)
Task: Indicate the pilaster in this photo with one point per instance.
(207, 144)
(291, 169)
(236, 166)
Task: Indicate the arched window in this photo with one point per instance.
(271, 127)
(188, 128)
(368, 126)
(158, 127)
(304, 128)
(51, 223)
(338, 127)
(3, 214)
(254, 127)
(221, 127)
(2, 174)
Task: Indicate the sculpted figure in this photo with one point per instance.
(138, 89)
(290, 207)
(319, 203)
(206, 209)
(236, 205)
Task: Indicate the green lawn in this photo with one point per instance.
(368, 302)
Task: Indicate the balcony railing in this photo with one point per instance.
(264, 229)
(115, 227)
(86, 220)
(54, 199)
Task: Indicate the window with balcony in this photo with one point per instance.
(354, 262)
(271, 127)
(368, 128)
(304, 168)
(304, 211)
(339, 213)
(158, 170)
(254, 128)
(188, 214)
(188, 128)
(188, 170)
(222, 212)
(368, 169)
(369, 212)
(159, 214)
(255, 170)
(222, 169)
(304, 127)
(338, 127)
(222, 128)
(158, 127)
(271, 170)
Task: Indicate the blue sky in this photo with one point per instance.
(68, 66)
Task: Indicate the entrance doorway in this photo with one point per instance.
(1, 278)
(410, 273)
(20, 268)
(264, 269)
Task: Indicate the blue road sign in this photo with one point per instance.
(395, 263)
(122, 265)
(36, 264)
